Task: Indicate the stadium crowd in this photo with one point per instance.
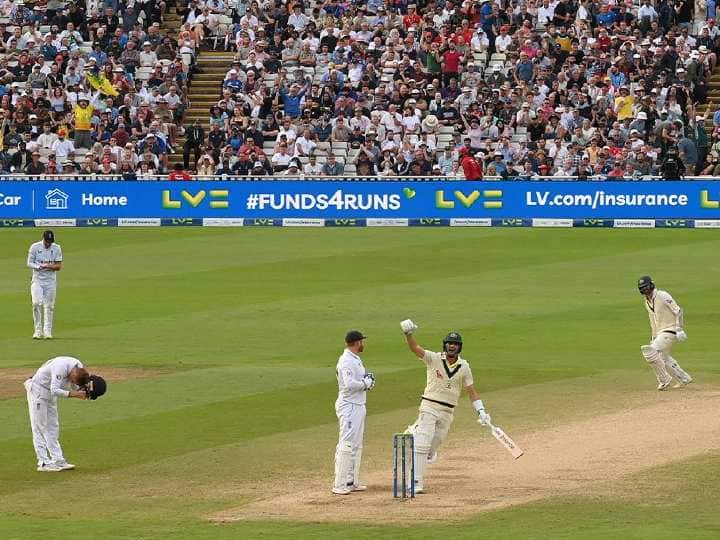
(460, 89)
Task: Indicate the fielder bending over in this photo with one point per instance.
(59, 377)
(353, 384)
(447, 375)
(666, 322)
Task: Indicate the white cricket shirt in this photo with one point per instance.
(39, 254)
(662, 310)
(51, 380)
(445, 382)
(350, 372)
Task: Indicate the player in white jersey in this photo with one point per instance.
(666, 323)
(353, 384)
(45, 259)
(59, 377)
(447, 376)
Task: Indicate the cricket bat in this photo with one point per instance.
(506, 441)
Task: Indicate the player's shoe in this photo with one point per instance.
(682, 384)
(419, 488)
(64, 465)
(341, 491)
(48, 336)
(37, 335)
(357, 487)
(432, 458)
(663, 385)
(48, 467)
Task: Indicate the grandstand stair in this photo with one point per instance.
(714, 91)
(203, 92)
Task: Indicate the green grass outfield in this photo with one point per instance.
(240, 330)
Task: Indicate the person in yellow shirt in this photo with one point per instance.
(447, 376)
(83, 113)
(624, 104)
(564, 41)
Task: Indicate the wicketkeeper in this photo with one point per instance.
(447, 376)
(353, 385)
(666, 323)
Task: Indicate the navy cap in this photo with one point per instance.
(354, 335)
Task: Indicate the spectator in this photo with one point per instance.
(570, 71)
(331, 167)
(179, 173)
(312, 167)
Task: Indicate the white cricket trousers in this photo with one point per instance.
(663, 344)
(351, 421)
(45, 425)
(430, 431)
(43, 300)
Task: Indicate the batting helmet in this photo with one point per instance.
(49, 236)
(453, 337)
(645, 284)
(96, 387)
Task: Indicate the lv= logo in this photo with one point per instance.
(491, 198)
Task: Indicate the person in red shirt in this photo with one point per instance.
(604, 40)
(465, 31)
(617, 172)
(412, 18)
(248, 147)
(178, 173)
(470, 166)
(451, 62)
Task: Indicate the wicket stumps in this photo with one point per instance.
(402, 442)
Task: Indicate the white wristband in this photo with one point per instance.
(478, 404)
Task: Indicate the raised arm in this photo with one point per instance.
(408, 327)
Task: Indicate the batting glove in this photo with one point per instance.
(484, 418)
(407, 326)
(369, 381)
(681, 335)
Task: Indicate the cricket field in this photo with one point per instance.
(219, 347)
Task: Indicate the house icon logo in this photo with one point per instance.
(56, 199)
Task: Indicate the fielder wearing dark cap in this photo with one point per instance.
(45, 260)
(353, 384)
(354, 335)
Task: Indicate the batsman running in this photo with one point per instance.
(447, 375)
(666, 323)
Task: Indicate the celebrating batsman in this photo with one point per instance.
(447, 376)
(666, 323)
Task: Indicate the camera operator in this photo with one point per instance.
(672, 167)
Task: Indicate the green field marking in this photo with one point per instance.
(253, 319)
